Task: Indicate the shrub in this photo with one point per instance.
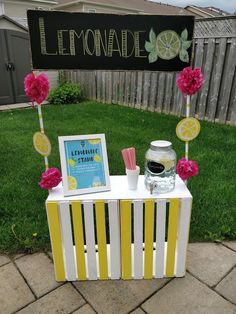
(67, 93)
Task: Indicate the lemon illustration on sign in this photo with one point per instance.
(71, 162)
(188, 129)
(97, 158)
(72, 183)
(168, 45)
(42, 144)
(94, 141)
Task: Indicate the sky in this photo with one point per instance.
(226, 5)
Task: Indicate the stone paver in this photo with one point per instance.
(187, 296)
(138, 311)
(86, 309)
(231, 244)
(4, 260)
(14, 293)
(227, 287)
(210, 262)
(119, 296)
(38, 270)
(64, 299)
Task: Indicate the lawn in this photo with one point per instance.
(23, 224)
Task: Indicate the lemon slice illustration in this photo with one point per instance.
(97, 158)
(72, 183)
(168, 45)
(42, 144)
(95, 141)
(71, 162)
(188, 129)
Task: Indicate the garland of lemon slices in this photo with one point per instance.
(189, 82)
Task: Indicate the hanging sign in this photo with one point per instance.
(65, 40)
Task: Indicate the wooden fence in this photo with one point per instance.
(214, 51)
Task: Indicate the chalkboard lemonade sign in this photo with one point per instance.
(84, 164)
(64, 40)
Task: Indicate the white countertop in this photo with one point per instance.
(119, 190)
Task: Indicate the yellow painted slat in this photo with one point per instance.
(149, 234)
(125, 220)
(101, 239)
(56, 241)
(79, 239)
(172, 236)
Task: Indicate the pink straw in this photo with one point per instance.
(129, 158)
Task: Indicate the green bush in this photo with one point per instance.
(67, 93)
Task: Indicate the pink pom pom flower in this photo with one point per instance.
(50, 178)
(36, 87)
(190, 81)
(187, 168)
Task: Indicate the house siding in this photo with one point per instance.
(18, 10)
(4, 24)
(102, 9)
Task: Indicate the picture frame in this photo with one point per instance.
(84, 164)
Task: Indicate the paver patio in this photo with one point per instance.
(27, 285)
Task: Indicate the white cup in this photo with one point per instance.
(132, 177)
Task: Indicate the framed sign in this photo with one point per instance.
(84, 164)
(66, 40)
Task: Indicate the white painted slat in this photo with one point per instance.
(67, 241)
(114, 229)
(183, 233)
(138, 239)
(160, 238)
(90, 240)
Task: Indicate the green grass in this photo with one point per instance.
(22, 210)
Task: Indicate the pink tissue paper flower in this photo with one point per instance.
(190, 81)
(187, 168)
(36, 87)
(50, 178)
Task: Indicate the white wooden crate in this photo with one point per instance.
(120, 233)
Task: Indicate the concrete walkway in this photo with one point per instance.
(15, 106)
(27, 285)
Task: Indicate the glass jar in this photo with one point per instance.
(160, 164)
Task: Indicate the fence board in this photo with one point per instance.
(168, 93)
(216, 75)
(146, 86)
(153, 91)
(127, 88)
(115, 76)
(232, 111)
(121, 88)
(198, 63)
(133, 88)
(226, 86)
(160, 92)
(207, 77)
(139, 90)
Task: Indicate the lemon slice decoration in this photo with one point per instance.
(97, 158)
(42, 144)
(72, 183)
(188, 129)
(168, 45)
(95, 141)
